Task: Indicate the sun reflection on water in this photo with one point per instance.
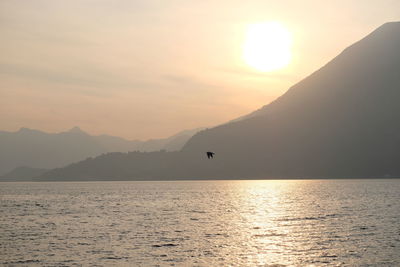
(263, 206)
(202, 223)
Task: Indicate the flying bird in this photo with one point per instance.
(210, 155)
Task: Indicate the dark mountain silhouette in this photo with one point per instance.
(341, 121)
(37, 149)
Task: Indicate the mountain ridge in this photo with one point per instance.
(340, 121)
(42, 150)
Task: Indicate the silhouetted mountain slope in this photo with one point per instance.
(341, 121)
(121, 166)
(33, 148)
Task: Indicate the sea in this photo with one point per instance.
(201, 223)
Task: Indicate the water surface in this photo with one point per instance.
(201, 223)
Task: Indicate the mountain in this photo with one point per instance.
(22, 174)
(173, 143)
(341, 121)
(38, 149)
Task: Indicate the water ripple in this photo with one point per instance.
(209, 223)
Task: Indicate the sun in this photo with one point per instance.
(267, 46)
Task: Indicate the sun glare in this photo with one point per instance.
(267, 46)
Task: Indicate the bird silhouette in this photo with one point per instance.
(210, 155)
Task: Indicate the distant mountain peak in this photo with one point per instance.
(24, 129)
(27, 130)
(76, 129)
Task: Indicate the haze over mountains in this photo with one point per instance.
(35, 149)
(342, 121)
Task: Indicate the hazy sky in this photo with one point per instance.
(145, 69)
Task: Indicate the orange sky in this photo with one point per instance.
(148, 69)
